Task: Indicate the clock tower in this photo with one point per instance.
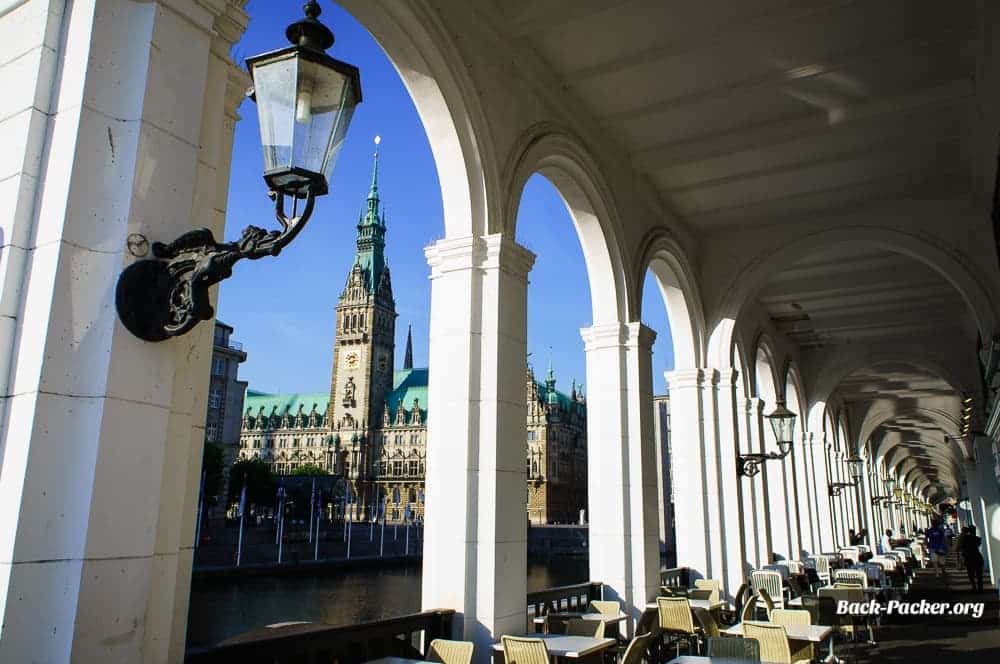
(363, 343)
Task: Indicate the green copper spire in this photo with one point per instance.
(550, 382)
(373, 192)
(371, 233)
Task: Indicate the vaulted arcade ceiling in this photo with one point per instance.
(763, 113)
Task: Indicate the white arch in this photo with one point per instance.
(431, 69)
(563, 160)
(762, 267)
(662, 256)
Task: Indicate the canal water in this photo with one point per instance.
(224, 607)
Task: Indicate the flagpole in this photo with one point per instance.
(312, 508)
(349, 522)
(381, 541)
(318, 502)
(201, 508)
(243, 509)
(279, 514)
(281, 527)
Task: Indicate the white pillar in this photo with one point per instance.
(984, 494)
(475, 533)
(807, 489)
(710, 531)
(731, 507)
(621, 460)
(643, 543)
(105, 137)
(757, 484)
(827, 527)
(774, 475)
(747, 490)
(687, 470)
(800, 490)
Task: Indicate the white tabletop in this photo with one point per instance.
(814, 633)
(395, 660)
(569, 615)
(708, 605)
(561, 645)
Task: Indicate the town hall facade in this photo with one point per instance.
(370, 427)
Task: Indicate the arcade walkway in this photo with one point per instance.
(951, 639)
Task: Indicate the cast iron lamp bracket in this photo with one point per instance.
(166, 296)
(748, 465)
(834, 488)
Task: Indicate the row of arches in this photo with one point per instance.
(728, 369)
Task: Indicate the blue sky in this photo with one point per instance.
(282, 308)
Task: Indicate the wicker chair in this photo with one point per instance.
(520, 650)
(822, 564)
(676, 622)
(581, 627)
(707, 622)
(769, 580)
(700, 593)
(604, 607)
(850, 576)
(639, 649)
(749, 607)
(768, 602)
(710, 584)
(450, 652)
(745, 649)
(649, 624)
(795, 617)
(773, 642)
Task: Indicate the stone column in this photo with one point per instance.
(710, 530)
(475, 533)
(778, 504)
(747, 490)
(106, 138)
(758, 486)
(827, 527)
(731, 507)
(806, 495)
(642, 544)
(688, 470)
(621, 463)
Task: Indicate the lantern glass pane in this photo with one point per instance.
(783, 428)
(304, 108)
(274, 87)
(325, 103)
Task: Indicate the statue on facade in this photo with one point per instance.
(349, 389)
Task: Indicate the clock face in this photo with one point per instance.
(352, 360)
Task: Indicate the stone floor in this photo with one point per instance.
(942, 639)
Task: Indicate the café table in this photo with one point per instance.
(708, 605)
(562, 645)
(569, 615)
(812, 633)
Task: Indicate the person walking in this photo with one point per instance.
(938, 545)
(885, 543)
(973, 558)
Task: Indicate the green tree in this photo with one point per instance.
(212, 467)
(309, 469)
(260, 482)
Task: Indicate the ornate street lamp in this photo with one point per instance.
(305, 101)
(782, 423)
(856, 468)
